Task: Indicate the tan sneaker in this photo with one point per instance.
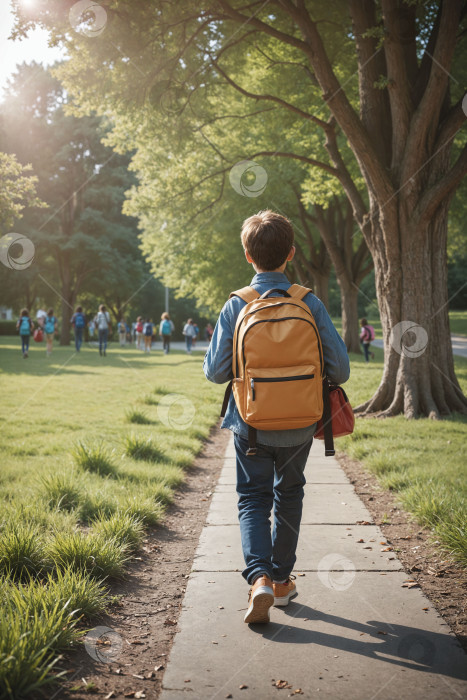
(283, 592)
(260, 599)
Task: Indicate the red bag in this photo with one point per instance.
(38, 335)
(338, 417)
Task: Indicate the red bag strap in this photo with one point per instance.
(246, 293)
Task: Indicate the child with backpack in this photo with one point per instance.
(274, 342)
(50, 329)
(166, 329)
(78, 321)
(122, 332)
(25, 327)
(102, 322)
(147, 332)
(367, 334)
(139, 332)
(189, 331)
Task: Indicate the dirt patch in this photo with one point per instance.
(144, 622)
(442, 580)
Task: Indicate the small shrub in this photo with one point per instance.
(141, 448)
(139, 417)
(33, 627)
(124, 527)
(90, 553)
(94, 458)
(147, 510)
(22, 551)
(61, 491)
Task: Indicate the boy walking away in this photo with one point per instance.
(50, 329)
(25, 326)
(102, 321)
(275, 356)
(147, 332)
(166, 329)
(189, 331)
(78, 321)
(367, 334)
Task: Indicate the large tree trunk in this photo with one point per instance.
(419, 377)
(350, 324)
(321, 287)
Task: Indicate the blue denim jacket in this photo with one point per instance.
(218, 360)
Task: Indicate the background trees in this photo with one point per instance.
(361, 91)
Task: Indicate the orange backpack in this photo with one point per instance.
(277, 362)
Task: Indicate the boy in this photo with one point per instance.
(274, 476)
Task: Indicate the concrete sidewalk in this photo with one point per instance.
(353, 631)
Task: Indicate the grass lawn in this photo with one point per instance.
(423, 461)
(92, 450)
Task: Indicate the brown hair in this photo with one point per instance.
(24, 312)
(268, 238)
(363, 322)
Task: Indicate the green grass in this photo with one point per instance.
(458, 322)
(77, 492)
(423, 462)
(138, 417)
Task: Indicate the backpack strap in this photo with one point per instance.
(246, 293)
(327, 421)
(297, 291)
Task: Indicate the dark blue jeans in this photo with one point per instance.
(189, 342)
(273, 479)
(25, 343)
(103, 333)
(366, 351)
(78, 338)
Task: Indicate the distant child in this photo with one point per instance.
(189, 332)
(91, 329)
(147, 332)
(139, 332)
(367, 334)
(78, 321)
(50, 329)
(102, 321)
(25, 327)
(166, 329)
(122, 331)
(195, 337)
(271, 476)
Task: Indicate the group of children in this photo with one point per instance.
(145, 331)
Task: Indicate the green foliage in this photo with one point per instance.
(22, 550)
(89, 553)
(140, 448)
(95, 458)
(61, 490)
(17, 190)
(139, 417)
(125, 528)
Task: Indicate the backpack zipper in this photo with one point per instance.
(277, 379)
(278, 320)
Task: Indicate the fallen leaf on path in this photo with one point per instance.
(360, 540)
(168, 622)
(381, 632)
(301, 574)
(243, 686)
(409, 584)
(387, 549)
(282, 684)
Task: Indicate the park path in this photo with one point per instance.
(354, 631)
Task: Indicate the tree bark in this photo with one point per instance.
(349, 309)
